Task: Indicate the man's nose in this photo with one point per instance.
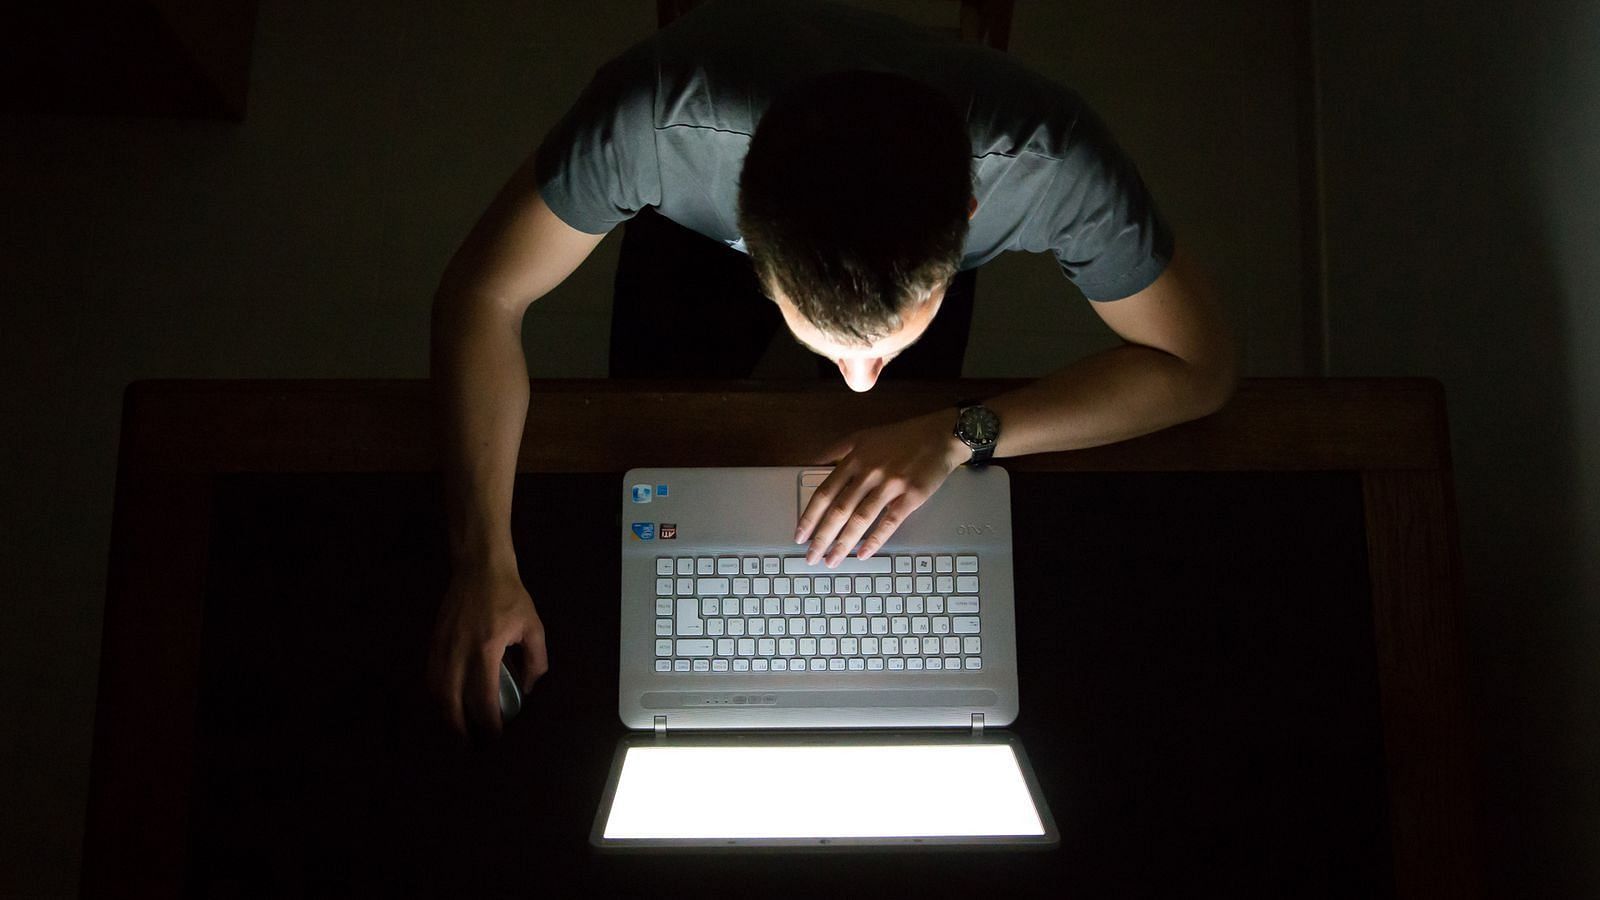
(860, 374)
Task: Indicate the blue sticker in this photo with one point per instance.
(661, 490)
(641, 493)
(644, 531)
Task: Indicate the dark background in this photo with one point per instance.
(1447, 230)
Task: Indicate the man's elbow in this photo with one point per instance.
(1213, 385)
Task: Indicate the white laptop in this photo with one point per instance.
(780, 704)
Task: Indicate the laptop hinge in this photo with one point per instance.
(661, 724)
(977, 723)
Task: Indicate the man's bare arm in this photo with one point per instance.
(518, 251)
(1177, 364)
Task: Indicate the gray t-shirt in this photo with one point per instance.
(667, 124)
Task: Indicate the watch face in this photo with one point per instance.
(980, 425)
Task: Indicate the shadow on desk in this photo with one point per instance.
(1213, 652)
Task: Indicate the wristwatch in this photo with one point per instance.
(979, 428)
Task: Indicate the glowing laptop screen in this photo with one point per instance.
(821, 792)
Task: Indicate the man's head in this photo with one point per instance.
(854, 202)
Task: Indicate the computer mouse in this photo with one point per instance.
(510, 695)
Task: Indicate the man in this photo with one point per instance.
(865, 168)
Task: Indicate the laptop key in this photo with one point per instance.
(689, 621)
(964, 624)
(850, 565)
(966, 565)
(961, 605)
(694, 647)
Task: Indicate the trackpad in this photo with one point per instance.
(810, 480)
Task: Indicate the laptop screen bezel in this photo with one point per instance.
(1049, 839)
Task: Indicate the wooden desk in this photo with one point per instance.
(199, 461)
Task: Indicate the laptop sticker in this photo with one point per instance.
(644, 531)
(641, 493)
(661, 490)
(669, 531)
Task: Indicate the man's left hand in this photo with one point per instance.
(890, 471)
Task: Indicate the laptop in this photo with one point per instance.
(767, 697)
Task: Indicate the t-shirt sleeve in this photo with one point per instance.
(597, 167)
(1100, 220)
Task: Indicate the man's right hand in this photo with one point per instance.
(518, 252)
(486, 610)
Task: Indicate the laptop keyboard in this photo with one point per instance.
(894, 613)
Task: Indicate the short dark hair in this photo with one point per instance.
(854, 198)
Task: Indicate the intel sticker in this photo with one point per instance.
(661, 490)
(641, 493)
(644, 531)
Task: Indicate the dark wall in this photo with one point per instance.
(1462, 144)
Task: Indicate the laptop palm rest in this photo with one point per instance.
(818, 699)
